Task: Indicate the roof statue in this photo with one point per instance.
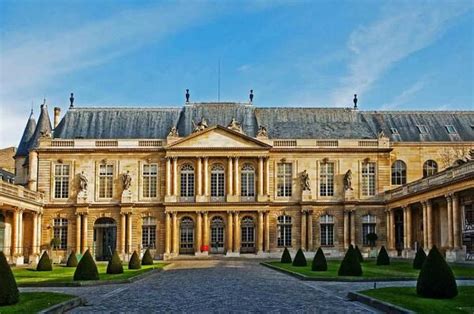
(71, 100)
(251, 95)
(173, 132)
(201, 125)
(305, 182)
(187, 95)
(262, 131)
(355, 101)
(382, 134)
(235, 126)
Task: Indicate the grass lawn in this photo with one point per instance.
(396, 269)
(65, 274)
(33, 302)
(406, 297)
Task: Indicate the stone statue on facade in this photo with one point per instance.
(83, 182)
(262, 131)
(235, 126)
(173, 132)
(305, 182)
(348, 180)
(200, 125)
(126, 181)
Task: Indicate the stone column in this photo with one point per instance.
(267, 176)
(429, 214)
(168, 233)
(168, 176)
(175, 234)
(236, 177)
(206, 176)
(199, 176)
(409, 228)
(206, 229)
(425, 226)
(175, 176)
(267, 231)
(346, 230)
(198, 232)
(229, 232)
(236, 233)
(260, 233)
(260, 175)
(123, 229)
(130, 234)
(78, 233)
(20, 232)
(404, 208)
(303, 230)
(387, 228)
(392, 229)
(456, 222)
(449, 208)
(229, 177)
(34, 250)
(85, 243)
(353, 228)
(14, 249)
(309, 221)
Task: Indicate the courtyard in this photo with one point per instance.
(223, 285)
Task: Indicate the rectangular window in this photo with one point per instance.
(327, 234)
(326, 179)
(366, 229)
(150, 179)
(61, 181)
(149, 233)
(394, 130)
(368, 179)
(284, 176)
(451, 129)
(284, 231)
(106, 176)
(423, 129)
(60, 233)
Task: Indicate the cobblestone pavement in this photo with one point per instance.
(221, 286)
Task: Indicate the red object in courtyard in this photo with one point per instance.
(204, 248)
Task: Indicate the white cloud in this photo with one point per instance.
(399, 32)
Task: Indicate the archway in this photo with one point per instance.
(105, 238)
(217, 235)
(248, 235)
(186, 245)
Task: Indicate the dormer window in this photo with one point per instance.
(451, 129)
(394, 130)
(423, 129)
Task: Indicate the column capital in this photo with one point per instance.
(449, 196)
(236, 157)
(175, 158)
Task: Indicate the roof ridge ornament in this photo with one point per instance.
(187, 95)
(251, 96)
(71, 100)
(355, 101)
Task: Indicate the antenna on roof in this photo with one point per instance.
(355, 101)
(219, 80)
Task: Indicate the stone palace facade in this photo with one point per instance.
(240, 180)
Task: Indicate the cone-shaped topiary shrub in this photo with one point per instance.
(420, 258)
(86, 269)
(300, 259)
(115, 265)
(436, 279)
(286, 257)
(359, 254)
(147, 259)
(72, 260)
(350, 265)
(44, 263)
(319, 261)
(382, 258)
(9, 293)
(134, 262)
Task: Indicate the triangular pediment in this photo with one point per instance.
(218, 137)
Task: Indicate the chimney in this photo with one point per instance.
(57, 113)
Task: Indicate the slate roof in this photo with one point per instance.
(23, 147)
(42, 127)
(281, 123)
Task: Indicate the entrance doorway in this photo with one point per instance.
(186, 245)
(105, 238)
(248, 235)
(217, 235)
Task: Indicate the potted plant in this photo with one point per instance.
(371, 239)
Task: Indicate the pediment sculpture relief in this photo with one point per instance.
(201, 125)
(173, 132)
(235, 126)
(262, 131)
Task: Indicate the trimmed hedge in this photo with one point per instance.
(359, 254)
(383, 258)
(115, 265)
(436, 279)
(86, 269)
(319, 261)
(286, 257)
(134, 262)
(350, 265)
(72, 260)
(147, 259)
(420, 258)
(300, 259)
(9, 293)
(44, 263)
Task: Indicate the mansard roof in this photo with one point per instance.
(280, 122)
(23, 147)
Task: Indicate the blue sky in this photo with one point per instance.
(396, 55)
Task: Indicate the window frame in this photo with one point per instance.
(187, 191)
(107, 179)
(218, 182)
(60, 231)
(326, 226)
(398, 172)
(284, 231)
(64, 181)
(149, 231)
(430, 167)
(369, 225)
(368, 188)
(451, 129)
(326, 179)
(148, 180)
(247, 182)
(284, 179)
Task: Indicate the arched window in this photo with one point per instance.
(399, 173)
(247, 227)
(247, 188)
(149, 233)
(217, 234)
(60, 233)
(327, 230)
(284, 231)
(217, 182)
(369, 223)
(187, 181)
(430, 167)
(186, 245)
